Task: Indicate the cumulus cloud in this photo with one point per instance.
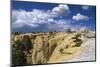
(85, 7)
(40, 18)
(33, 18)
(80, 17)
(44, 20)
(61, 10)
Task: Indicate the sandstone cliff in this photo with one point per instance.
(50, 47)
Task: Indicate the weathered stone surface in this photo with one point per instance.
(43, 49)
(38, 52)
(45, 46)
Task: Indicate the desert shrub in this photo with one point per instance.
(18, 57)
(68, 53)
(78, 43)
(26, 42)
(77, 40)
(16, 33)
(18, 45)
(66, 46)
(69, 30)
(61, 50)
(51, 33)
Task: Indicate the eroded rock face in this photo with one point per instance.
(40, 47)
(37, 49)
(52, 45)
(38, 52)
(42, 50)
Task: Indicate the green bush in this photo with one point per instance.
(18, 45)
(61, 50)
(77, 40)
(66, 46)
(69, 31)
(16, 33)
(18, 57)
(26, 42)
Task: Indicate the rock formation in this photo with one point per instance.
(38, 51)
(39, 48)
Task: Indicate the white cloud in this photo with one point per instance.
(33, 18)
(44, 19)
(40, 19)
(36, 17)
(61, 10)
(80, 17)
(85, 7)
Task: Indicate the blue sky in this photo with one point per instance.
(44, 17)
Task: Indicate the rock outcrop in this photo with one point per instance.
(40, 48)
(38, 56)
